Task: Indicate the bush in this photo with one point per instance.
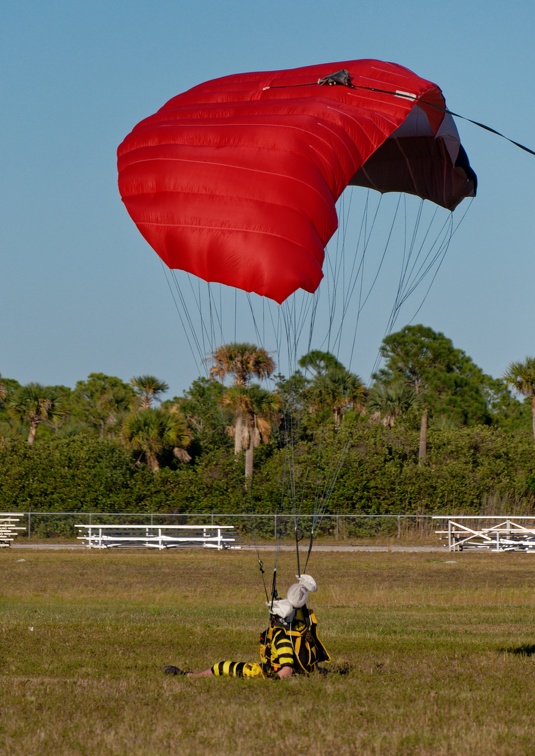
(467, 470)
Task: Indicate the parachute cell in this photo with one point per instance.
(236, 180)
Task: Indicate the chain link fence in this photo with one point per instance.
(252, 527)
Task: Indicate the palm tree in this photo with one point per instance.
(332, 386)
(148, 388)
(154, 431)
(521, 377)
(387, 402)
(242, 361)
(258, 409)
(338, 390)
(36, 405)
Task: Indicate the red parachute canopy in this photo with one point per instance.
(236, 180)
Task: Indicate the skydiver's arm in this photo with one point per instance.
(285, 672)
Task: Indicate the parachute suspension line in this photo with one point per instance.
(294, 313)
(335, 269)
(274, 592)
(404, 266)
(428, 261)
(290, 328)
(354, 279)
(363, 299)
(211, 313)
(235, 315)
(254, 320)
(442, 246)
(250, 509)
(386, 246)
(442, 242)
(340, 276)
(287, 326)
(313, 310)
(206, 326)
(309, 551)
(323, 495)
(201, 326)
(411, 275)
(349, 278)
(263, 573)
(298, 537)
(422, 265)
(335, 466)
(336, 282)
(278, 532)
(295, 320)
(185, 330)
(187, 321)
(453, 231)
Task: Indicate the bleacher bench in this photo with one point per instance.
(157, 536)
(464, 532)
(9, 528)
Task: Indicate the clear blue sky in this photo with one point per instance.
(81, 292)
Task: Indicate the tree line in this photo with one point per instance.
(432, 433)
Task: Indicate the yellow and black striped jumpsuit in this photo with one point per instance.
(293, 645)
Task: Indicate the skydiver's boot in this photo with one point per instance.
(171, 670)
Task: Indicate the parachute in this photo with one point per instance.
(238, 185)
(236, 180)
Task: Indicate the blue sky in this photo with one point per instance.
(80, 290)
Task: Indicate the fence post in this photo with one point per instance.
(399, 527)
(29, 524)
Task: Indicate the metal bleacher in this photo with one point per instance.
(493, 533)
(10, 527)
(157, 536)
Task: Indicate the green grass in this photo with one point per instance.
(441, 648)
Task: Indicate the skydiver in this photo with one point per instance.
(289, 645)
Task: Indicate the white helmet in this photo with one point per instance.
(281, 607)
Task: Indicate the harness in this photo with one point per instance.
(308, 650)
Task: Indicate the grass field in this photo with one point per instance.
(441, 649)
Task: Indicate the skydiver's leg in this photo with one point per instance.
(172, 670)
(228, 669)
(222, 669)
(204, 673)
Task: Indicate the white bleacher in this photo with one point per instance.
(9, 527)
(494, 533)
(157, 536)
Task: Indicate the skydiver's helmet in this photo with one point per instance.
(282, 609)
